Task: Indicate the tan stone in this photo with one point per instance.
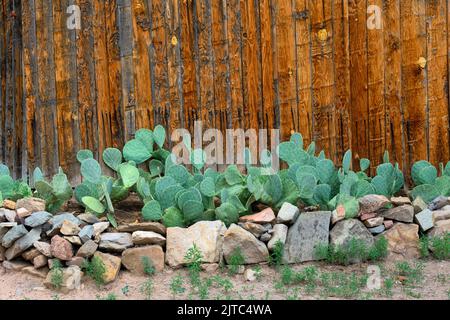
(69, 228)
(207, 235)
(74, 240)
(40, 261)
(9, 204)
(374, 222)
(251, 249)
(372, 203)
(23, 213)
(112, 266)
(403, 241)
(148, 238)
(134, 259)
(41, 273)
(263, 217)
(400, 201)
(440, 228)
(31, 204)
(440, 215)
(29, 255)
(143, 226)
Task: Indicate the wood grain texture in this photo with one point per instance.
(298, 65)
(414, 80)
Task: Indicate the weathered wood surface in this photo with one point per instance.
(312, 66)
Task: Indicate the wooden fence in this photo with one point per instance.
(312, 66)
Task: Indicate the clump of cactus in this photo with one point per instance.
(429, 183)
(56, 192)
(11, 189)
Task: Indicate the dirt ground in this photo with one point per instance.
(431, 282)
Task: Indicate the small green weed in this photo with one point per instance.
(412, 275)
(56, 277)
(193, 259)
(147, 288)
(355, 251)
(95, 269)
(276, 257)
(235, 261)
(149, 268)
(177, 285)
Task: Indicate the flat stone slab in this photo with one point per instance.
(143, 226)
(310, 229)
(116, 242)
(23, 243)
(13, 234)
(403, 213)
(38, 219)
(425, 219)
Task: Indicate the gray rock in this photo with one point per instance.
(31, 204)
(344, 231)
(2, 215)
(8, 224)
(38, 219)
(310, 230)
(88, 218)
(403, 213)
(280, 232)
(86, 233)
(425, 219)
(57, 221)
(419, 205)
(288, 214)
(251, 249)
(4, 228)
(88, 249)
(13, 234)
(438, 203)
(377, 230)
(116, 242)
(265, 237)
(23, 243)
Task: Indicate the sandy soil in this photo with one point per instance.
(434, 284)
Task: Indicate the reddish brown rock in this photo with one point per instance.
(61, 248)
(388, 224)
(263, 217)
(367, 216)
